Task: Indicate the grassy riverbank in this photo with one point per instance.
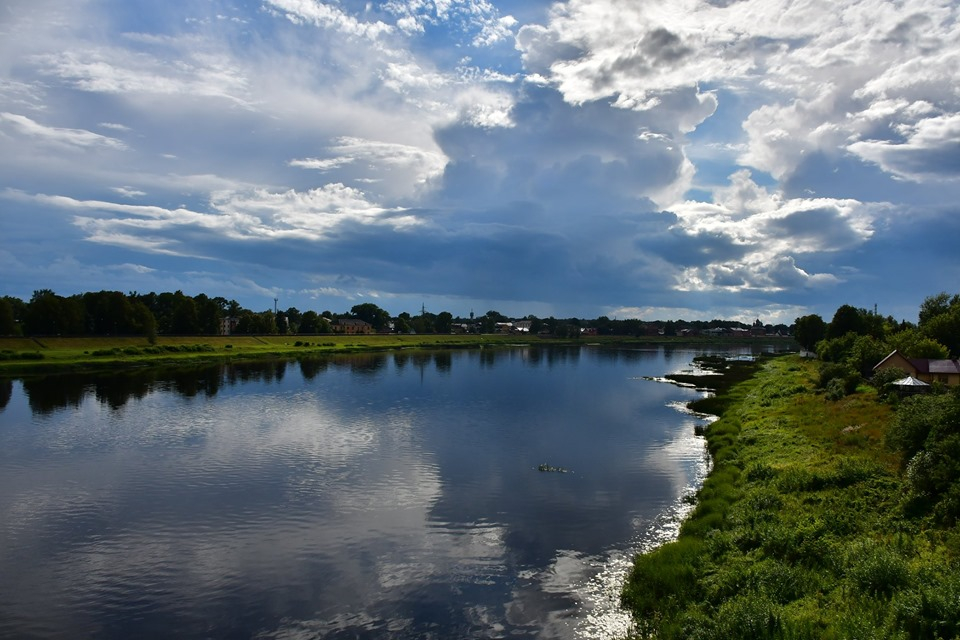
(800, 530)
(54, 354)
(23, 356)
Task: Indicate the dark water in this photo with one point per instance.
(386, 496)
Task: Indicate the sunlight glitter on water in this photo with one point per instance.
(601, 616)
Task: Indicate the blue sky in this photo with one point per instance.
(693, 159)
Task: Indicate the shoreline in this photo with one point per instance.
(45, 355)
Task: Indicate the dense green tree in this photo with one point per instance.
(424, 323)
(945, 329)
(937, 305)
(403, 323)
(50, 314)
(108, 313)
(444, 322)
(263, 323)
(293, 317)
(809, 330)
(8, 319)
(940, 320)
(865, 353)
(846, 320)
(144, 322)
(371, 313)
(836, 349)
(184, 319)
(209, 313)
(309, 322)
(913, 343)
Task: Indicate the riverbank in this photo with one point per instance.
(800, 530)
(25, 356)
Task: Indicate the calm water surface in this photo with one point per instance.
(384, 496)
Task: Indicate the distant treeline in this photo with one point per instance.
(115, 313)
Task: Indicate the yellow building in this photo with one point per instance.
(943, 371)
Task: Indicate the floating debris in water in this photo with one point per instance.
(547, 467)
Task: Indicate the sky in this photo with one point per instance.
(691, 159)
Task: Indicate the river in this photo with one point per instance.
(394, 495)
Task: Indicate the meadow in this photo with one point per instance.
(802, 529)
(24, 355)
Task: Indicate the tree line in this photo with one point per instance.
(114, 313)
(856, 340)
(856, 335)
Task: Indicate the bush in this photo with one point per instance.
(917, 418)
(877, 570)
(8, 354)
(838, 380)
(882, 379)
(748, 617)
(932, 610)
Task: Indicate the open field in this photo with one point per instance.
(802, 529)
(45, 354)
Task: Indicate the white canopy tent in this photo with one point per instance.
(910, 385)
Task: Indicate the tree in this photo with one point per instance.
(912, 343)
(444, 322)
(209, 313)
(403, 323)
(294, 318)
(256, 323)
(846, 320)
(945, 329)
(940, 320)
(50, 314)
(108, 313)
(937, 305)
(143, 321)
(8, 323)
(183, 319)
(809, 330)
(424, 323)
(309, 322)
(373, 314)
(866, 353)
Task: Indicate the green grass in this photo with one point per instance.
(800, 529)
(46, 354)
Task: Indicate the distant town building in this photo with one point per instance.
(352, 326)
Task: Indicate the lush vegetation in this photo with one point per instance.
(823, 517)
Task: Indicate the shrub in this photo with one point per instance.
(877, 570)
(833, 371)
(931, 610)
(917, 417)
(749, 618)
(836, 390)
